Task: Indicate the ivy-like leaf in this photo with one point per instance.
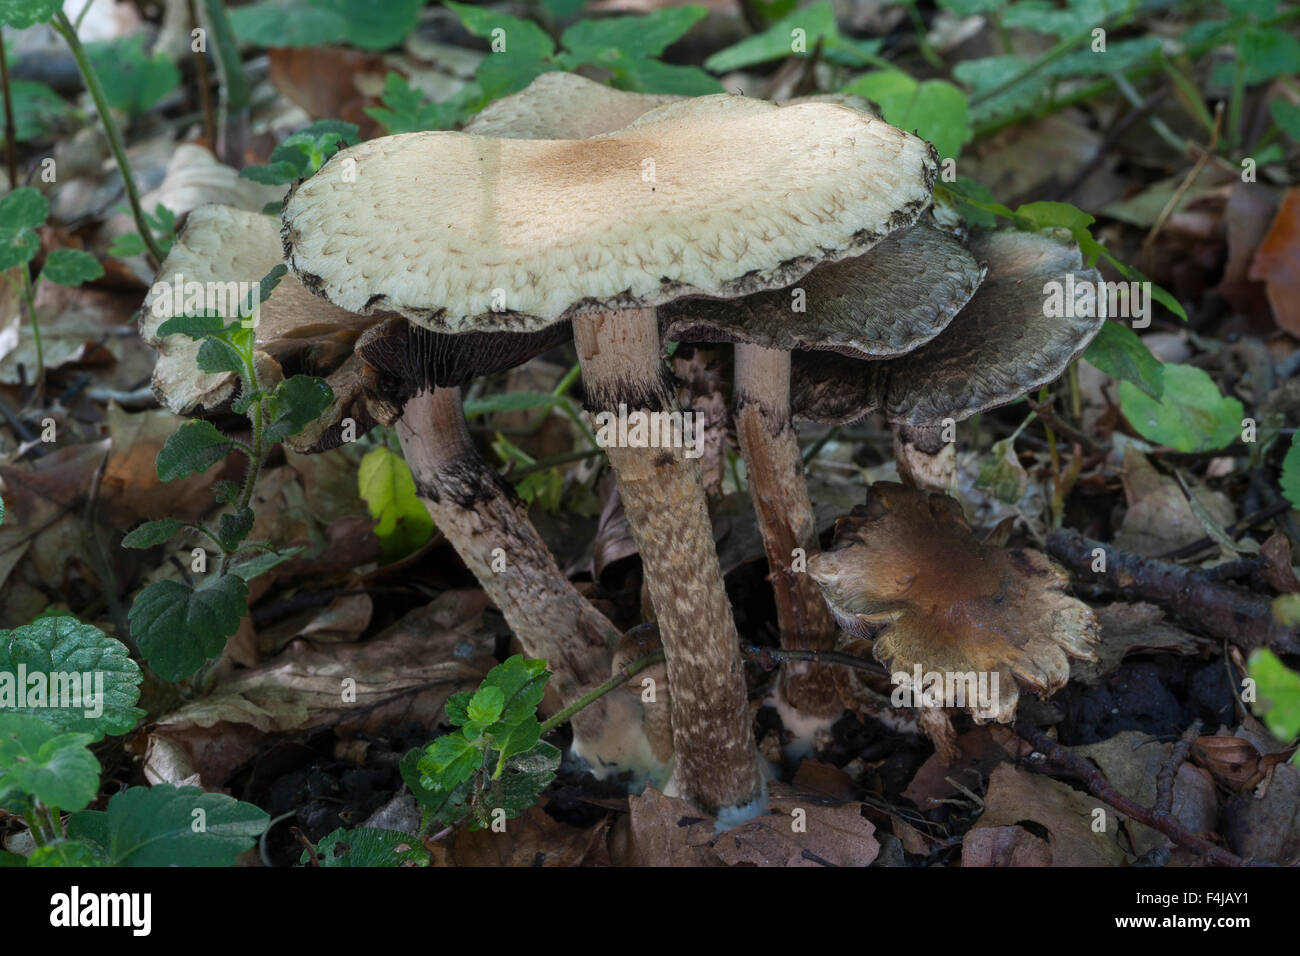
(71, 267)
(1119, 352)
(162, 826)
(36, 760)
(1291, 472)
(21, 14)
(22, 212)
(177, 627)
(191, 450)
(53, 650)
(1191, 415)
(233, 528)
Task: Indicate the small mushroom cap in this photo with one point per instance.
(639, 641)
(899, 295)
(997, 348)
(951, 604)
(563, 106)
(718, 195)
(221, 245)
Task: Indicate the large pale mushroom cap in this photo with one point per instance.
(1001, 345)
(719, 195)
(908, 559)
(563, 106)
(899, 295)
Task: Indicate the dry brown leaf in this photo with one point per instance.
(1267, 827)
(1130, 628)
(1159, 518)
(1016, 795)
(1277, 263)
(1004, 846)
(977, 754)
(533, 839)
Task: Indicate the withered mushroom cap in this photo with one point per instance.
(544, 230)
(997, 348)
(222, 244)
(952, 605)
(900, 294)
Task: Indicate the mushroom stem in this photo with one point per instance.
(925, 460)
(779, 491)
(487, 524)
(716, 762)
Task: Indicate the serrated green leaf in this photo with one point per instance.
(448, 762)
(385, 484)
(126, 245)
(445, 806)
(177, 627)
(643, 75)
(170, 826)
(1119, 352)
(46, 654)
(406, 110)
(522, 683)
(522, 39)
(373, 26)
(935, 109)
(36, 760)
(152, 533)
(66, 853)
(1287, 117)
(523, 779)
(518, 738)
(369, 846)
(22, 212)
(191, 450)
(217, 355)
(295, 404)
(1191, 415)
(1278, 689)
(21, 14)
(71, 267)
(815, 22)
(458, 708)
(599, 41)
(196, 327)
(485, 705)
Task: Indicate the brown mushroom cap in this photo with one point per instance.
(899, 295)
(908, 559)
(563, 106)
(549, 229)
(997, 348)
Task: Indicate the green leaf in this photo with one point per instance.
(406, 110)
(1287, 117)
(1266, 53)
(816, 21)
(604, 40)
(295, 404)
(500, 75)
(218, 355)
(651, 76)
(448, 762)
(485, 705)
(518, 738)
(152, 533)
(71, 267)
(524, 778)
(197, 327)
(1291, 472)
(177, 627)
(303, 153)
(21, 14)
(170, 826)
(133, 80)
(1046, 17)
(49, 652)
(1119, 352)
(445, 806)
(511, 402)
(37, 110)
(259, 564)
(458, 708)
(376, 26)
(65, 853)
(1192, 415)
(522, 39)
(22, 212)
(385, 483)
(369, 846)
(273, 23)
(1279, 694)
(522, 682)
(233, 528)
(191, 450)
(36, 760)
(935, 109)
(126, 245)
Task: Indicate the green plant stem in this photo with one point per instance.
(625, 673)
(1236, 98)
(29, 296)
(35, 827)
(234, 85)
(69, 33)
(565, 459)
(11, 128)
(255, 460)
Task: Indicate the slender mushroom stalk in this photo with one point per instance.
(693, 198)
(622, 368)
(383, 371)
(774, 464)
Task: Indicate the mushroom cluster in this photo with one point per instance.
(799, 232)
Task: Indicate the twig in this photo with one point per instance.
(769, 657)
(1245, 524)
(1196, 597)
(1186, 184)
(204, 84)
(625, 673)
(1164, 804)
(1049, 756)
